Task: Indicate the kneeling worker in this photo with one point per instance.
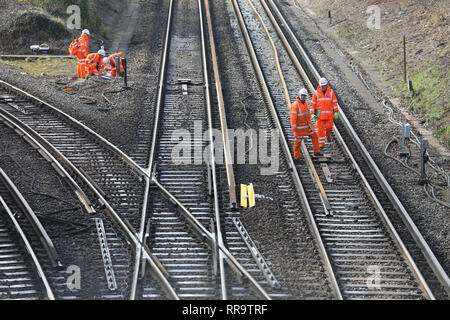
(113, 63)
(302, 125)
(94, 62)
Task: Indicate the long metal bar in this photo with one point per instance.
(434, 264)
(285, 146)
(222, 114)
(29, 248)
(229, 165)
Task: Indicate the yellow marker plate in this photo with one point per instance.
(251, 195)
(244, 196)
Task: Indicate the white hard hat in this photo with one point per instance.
(101, 52)
(323, 82)
(105, 60)
(303, 92)
(86, 31)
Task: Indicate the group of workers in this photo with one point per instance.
(323, 108)
(94, 63)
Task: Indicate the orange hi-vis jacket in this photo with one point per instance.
(324, 105)
(93, 63)
(83, 48)
(301, 119)
(112, 66)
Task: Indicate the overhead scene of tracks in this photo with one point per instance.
(210, 150)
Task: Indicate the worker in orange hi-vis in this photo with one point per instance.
(113, 63)
(94, 62)
(324, 107)
(80, 48)
(302, 125)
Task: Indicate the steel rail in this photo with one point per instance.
(33, 219)
(229, 165)
(29, 248)
(129, 234)
(287, 153)
(420, 241)
(150, 165)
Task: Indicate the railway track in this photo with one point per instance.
(101, 169)
(79, 251)
(21, 273)
(177, 217)
(194, 258)
(360, 240)
(425, 259)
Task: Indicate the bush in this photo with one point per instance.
(39, 25)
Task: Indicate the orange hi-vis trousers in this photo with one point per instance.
(298, 143)
(324, 128)
(81, 68)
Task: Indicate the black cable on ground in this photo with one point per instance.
(434, 198)
(73, 225)
(432, 186)
(33, 181)
(250, 147)
(398, 160)
(416, 141)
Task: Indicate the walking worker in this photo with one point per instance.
(113, 63)
(324, 107)
(80, 48)
(94, 62)
(302, 125)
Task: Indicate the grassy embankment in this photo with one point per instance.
(430, 98)
(44, 66)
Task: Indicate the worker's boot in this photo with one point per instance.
(318, 154)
